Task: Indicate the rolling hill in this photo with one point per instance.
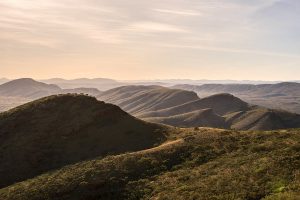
(205, 164)
(263, 119)
(31, 89)
(221, 104)
(279, 89)
(185, 109)
(284, 95)
(27, 88)
(142, 99)
(55, 131)
(20, 91)
(199, 118)
(74, 147)
(174, 107)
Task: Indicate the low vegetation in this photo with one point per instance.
(197, 164)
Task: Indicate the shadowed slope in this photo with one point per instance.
(263, 119)
(58, 130)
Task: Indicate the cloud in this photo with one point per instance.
(155, 27)
(230, 50)
(142, 28)
(44, 21)
(178, 12)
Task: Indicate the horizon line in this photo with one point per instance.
(152, 80)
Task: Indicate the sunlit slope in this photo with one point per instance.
(138, 100)
(221, 104)
(185, 109)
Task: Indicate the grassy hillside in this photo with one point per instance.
(205, 164)
(58, 130)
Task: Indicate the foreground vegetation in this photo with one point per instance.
(197, 164)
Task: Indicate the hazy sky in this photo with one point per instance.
(150, 39)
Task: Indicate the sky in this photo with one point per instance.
(150, 39)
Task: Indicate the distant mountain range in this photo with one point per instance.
(185, 109)
(19, 91)
(106, 83)
(27, 88)
(98, 83)
(31, 89)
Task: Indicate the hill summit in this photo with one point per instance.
(55, 131)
